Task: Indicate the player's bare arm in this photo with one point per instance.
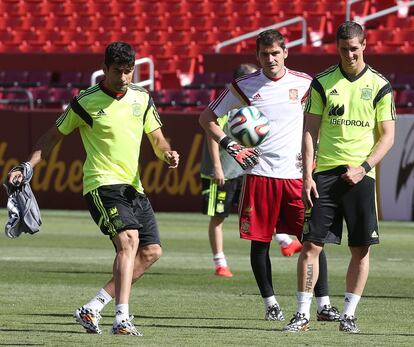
(162, 149)
(245, 157)
(42, 149)
(208, 121)
(310, 138)
(381, 148)
(213, 148)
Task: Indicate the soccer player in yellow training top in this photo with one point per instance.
(112, 117)
(348, 104)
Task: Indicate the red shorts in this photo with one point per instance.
(269, 205)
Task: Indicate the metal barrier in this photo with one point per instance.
(363, 20)
(348, 8)
(29, 100)
(293, 43)
(148, 82)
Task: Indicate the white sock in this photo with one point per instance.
(322, 301)
(351, 302)
(121, 312)
(101, 299)
(270, 301)
(283, 240)
(220, 259)
(304, 303)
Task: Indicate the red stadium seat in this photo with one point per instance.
(406, 98)
(379, 35)
(176, 8)
(202, 80)
(15, 78)
(69, 79)
(404, 80)
(174, 98)
(178, 37)
(39, 78)
(198, 8)
(402, 35)
(199, 98)
(12, 8)
(37, 8)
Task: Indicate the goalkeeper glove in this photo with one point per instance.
(245, 157)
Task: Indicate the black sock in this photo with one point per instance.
(261, 266)
(321, 286)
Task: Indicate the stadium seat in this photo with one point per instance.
(14, 78)
(68, 79)
(12, 8)
(199, 98)
(37, 8)
(173, 98)
(221, 79)
(38, 78)
(200, 23)
(176, 8)
(402, 35)
(53, 97)
(379, 35)
(202, 80)
(404, 80)
(243, 8)
(406, 98)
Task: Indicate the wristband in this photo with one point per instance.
(366, 166)
(224, 142)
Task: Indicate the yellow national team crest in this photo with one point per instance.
(366, 94)
(293, 95)
(136, 110)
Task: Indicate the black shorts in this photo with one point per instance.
(337, 201)
(219, 200)
(119, 207)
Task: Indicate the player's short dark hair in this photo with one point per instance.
(268, 37)
(119, 53)
(244, 69)
(349, 30)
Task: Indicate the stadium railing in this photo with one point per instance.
(298, 19)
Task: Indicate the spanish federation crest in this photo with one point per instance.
(293, 95)
(136, 110)
(366, 94)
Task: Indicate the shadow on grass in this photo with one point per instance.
(67, 315)
(25, 330)
(110, 273)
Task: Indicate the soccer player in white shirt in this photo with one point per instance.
(271, 193)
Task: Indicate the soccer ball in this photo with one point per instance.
(249, 126)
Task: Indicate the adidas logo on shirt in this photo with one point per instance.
(257, 97)
(101, 112)
(333, 92)
(374, 234)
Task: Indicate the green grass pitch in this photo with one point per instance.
(179, 302)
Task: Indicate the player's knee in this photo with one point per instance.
(126, 241)
(311, 249)
(150, 254)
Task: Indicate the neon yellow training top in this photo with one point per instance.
(350, 109)
(111, 129)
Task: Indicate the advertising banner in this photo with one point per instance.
(396, 174)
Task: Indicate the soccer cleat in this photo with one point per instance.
(297, 323)
(347, 324)
(126, 327)
(294, 247)
(274, 313)
(223, 271)
(89, 319)
(328, 313)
